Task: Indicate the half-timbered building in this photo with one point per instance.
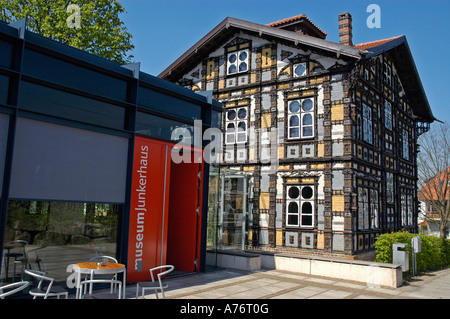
(329, 130)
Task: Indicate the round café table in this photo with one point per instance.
(105, 268)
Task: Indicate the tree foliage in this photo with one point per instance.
(100, 31)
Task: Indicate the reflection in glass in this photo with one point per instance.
(58, 234)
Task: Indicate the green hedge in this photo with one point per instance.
(435, 253)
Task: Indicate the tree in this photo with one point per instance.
(93, 26)
(434, 175)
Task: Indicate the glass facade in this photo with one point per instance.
(49, 236)
(67, 125)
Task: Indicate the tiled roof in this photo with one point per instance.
(368, 45)
(291, 19)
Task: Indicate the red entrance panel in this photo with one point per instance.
(149, 208)
(184, 214)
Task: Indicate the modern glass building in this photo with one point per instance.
(86, 162)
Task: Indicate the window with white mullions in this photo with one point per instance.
(236, 126)
(405, 144)
(237, 62)
(300, 206)
(367, 124)
(301, 118)
(388, 115)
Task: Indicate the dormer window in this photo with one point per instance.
(237, 62)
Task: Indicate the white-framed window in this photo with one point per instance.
(300, 206)
(389, 188)
(236, 125)
(367, 124)
(405, 145)
(299, 69)
(374, 209)
(387, 74)
(237, 62)
(368, 208)
(406, 205)
(388, 115)
(301, 118)
(363, 208)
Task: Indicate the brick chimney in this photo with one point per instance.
(345, 29)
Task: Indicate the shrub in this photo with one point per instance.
(435, 252)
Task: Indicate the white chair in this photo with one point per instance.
(15, 288)
(106, 277)
(100, 295)
(155, 285)
(43, 288)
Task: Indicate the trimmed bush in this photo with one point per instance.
(435, 253)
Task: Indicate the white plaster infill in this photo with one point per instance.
(373, 274)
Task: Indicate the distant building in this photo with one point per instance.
(433, 195)
(346, 119)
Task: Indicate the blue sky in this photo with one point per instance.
(164, 29)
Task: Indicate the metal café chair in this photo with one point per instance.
(100, 295)
(19, 254)
(155, 285)
(45, 287)
(13, 288)
(108, 277)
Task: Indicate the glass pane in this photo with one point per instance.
(294, 132)
(307, 105)
(230, 128)
(241, 127)
(294, 120)
(232, 69)
(242, 113)
(306, 208)
(307, 192)
(160, 127)
(4, 88)
(300, 69)
(293, 192)
(242, 67)
(6, 48)
(307, 220)
(71, 75)
(231, 115)
(232, 58)
(171, 105)
(292, 219)
(294, 106)
(241, 137)
(307, 119)
(230, 138)
(45, 100)
(293, 208)
(243, 55)
(307, 131)
(58, 234)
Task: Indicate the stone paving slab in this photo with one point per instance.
(276, 284)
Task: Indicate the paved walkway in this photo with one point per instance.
(276, 284)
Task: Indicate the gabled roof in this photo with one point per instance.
(296, 20)
(396, 47)
(368, 45)
(228, 27)
(398, 50)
